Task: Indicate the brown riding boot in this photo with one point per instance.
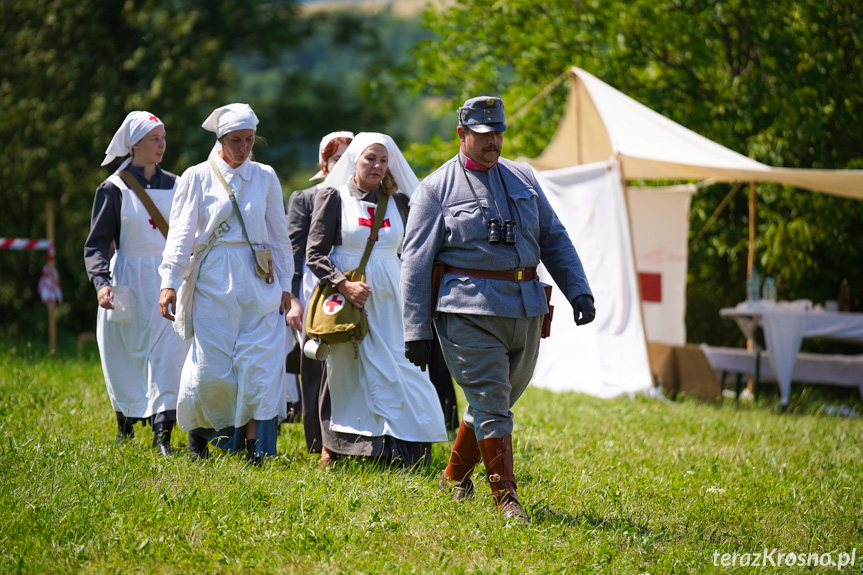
(497, 454)
(462, 459)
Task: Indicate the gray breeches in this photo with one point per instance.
(492, 358)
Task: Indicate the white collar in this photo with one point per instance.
(243, 170)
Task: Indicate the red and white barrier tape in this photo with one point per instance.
(49, 283)
(28, 244)
(24, 244)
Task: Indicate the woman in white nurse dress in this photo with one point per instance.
(141, 355)
(232, 391)
(374, 402)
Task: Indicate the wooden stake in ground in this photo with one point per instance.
(52, 320)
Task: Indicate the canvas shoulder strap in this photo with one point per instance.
(233, 198)
(380, 212)
(145, 198)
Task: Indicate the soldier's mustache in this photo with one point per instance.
(491, 149)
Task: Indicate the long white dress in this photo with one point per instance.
(142, 357)
(234, 372)
(381, 393)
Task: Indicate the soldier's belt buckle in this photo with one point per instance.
(519, 275)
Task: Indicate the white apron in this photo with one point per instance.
(142, 358)
(382, 393)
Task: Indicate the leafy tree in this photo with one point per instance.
(71, 71)
(339, 77)
(778, 81)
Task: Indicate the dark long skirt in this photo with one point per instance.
(311, 373)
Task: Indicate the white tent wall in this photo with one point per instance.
(609, 356)
(660, 230)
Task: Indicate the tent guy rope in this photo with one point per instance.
(541, 94)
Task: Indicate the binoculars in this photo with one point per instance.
(508, 232)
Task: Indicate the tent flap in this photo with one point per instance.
(607, 357)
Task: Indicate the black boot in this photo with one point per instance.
(162, 438)
(251, 457)
(125, 427)
(198, 447)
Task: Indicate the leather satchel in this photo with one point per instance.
(264, 264)
(436, 279)
(545, 330)
(330, 316)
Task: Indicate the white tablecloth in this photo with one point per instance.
(785, 325)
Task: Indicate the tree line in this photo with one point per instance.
(776, 80)
(73, 69)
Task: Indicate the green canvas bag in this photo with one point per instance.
(330, 316)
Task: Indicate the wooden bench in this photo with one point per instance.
(841, 370)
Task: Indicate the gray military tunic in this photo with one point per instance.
(489, 329)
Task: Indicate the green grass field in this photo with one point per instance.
(612, 486)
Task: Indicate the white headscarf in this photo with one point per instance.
(231, 118)
(136, 125)
(326, 140)
(346, 168)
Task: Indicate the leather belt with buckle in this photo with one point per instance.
(517, 275)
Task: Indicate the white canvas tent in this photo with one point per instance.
(600, 122)
(605, 138)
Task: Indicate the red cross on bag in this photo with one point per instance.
(334, 303)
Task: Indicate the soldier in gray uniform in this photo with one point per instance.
(486, 220)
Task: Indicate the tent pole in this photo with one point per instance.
(634, 262)
(750, 261)
(578, 127)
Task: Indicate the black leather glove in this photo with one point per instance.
(583, 306)
(418, 352)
